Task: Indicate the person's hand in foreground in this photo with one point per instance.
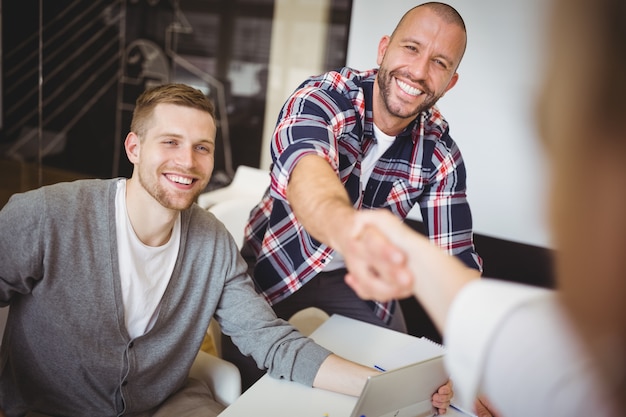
(380, 263)
(441, 399)
(435, 276)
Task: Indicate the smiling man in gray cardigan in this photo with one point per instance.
(112, 284)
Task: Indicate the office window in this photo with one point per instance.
(72, 69)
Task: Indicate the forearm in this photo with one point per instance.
(438, 278)
(340, 375)
(319, 201)
(346, 377)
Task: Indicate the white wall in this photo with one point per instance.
(490, 110)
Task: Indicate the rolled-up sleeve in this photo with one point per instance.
(310, 123)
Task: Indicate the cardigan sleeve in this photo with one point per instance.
(275, 345)
(20, 245)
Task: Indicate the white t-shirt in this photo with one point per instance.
(378, 148)
(145, 270)
(514, 344)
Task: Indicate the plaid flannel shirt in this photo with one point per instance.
(331, 116)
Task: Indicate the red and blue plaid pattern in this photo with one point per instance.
(331, 116)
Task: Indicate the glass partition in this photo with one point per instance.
(71, 71)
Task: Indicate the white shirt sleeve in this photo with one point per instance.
(514, 344)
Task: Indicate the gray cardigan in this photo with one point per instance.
(66, 350)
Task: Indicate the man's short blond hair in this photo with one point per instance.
(179, 94)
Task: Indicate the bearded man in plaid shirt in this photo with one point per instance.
(348, 141)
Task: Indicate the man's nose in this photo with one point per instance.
(185, 156)
(419, 68)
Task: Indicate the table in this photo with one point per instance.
(352, 339)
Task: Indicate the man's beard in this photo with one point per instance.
(167, 200)
(402, 111)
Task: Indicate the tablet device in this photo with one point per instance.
(402, 392)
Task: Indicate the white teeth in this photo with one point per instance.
(179, 179)
(408, 89)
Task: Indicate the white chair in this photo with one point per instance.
(248, 182)
(308, 319)
(234, 214)
(221, 376)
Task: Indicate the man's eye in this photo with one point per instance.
(441, 63)
(205, 149)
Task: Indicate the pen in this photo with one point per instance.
(460, 410)
(379, 368)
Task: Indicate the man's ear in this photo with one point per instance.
(382, 48)
(132, 146)
(452, 82)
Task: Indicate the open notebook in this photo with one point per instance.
(402, 392)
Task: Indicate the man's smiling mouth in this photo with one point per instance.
(408, 89)
(179, 179)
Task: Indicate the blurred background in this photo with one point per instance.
(71, 71)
